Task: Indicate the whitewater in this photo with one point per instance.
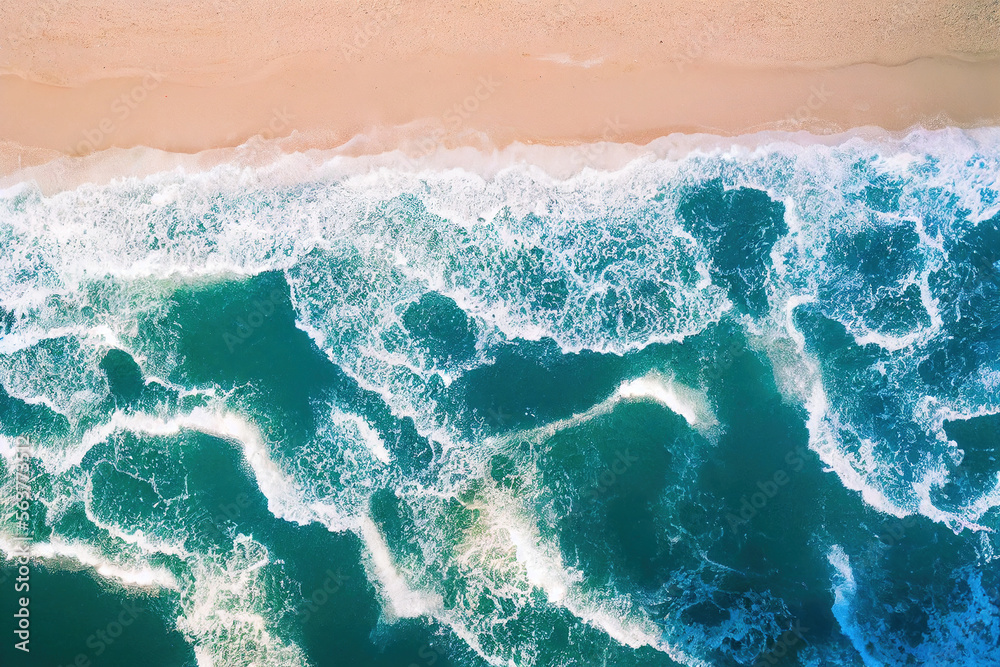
(538, 414)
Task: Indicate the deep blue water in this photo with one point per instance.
(740, 408)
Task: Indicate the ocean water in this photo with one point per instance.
(734, 405)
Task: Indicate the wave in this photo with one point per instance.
(852, 264)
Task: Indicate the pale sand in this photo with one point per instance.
(83, 75)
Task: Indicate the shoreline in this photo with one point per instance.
(491, 102)
(79, 78)
(281, 162)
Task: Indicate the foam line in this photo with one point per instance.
(681, 400)
(56, 549)
(844, 590)
(402, 601)
(546, 571)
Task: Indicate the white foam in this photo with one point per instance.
(860, 471)
(371, 438)
(566, 59)
(224, 610)
(616, 616)
(681, 400)
(824, 442)
(148, 544)
(282, 493)
(844, 590)
(402, 601)
(56, 549)
(687, 403)
(96, 335)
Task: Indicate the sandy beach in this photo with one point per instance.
(187, 77)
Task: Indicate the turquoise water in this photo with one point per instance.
(736, 408)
